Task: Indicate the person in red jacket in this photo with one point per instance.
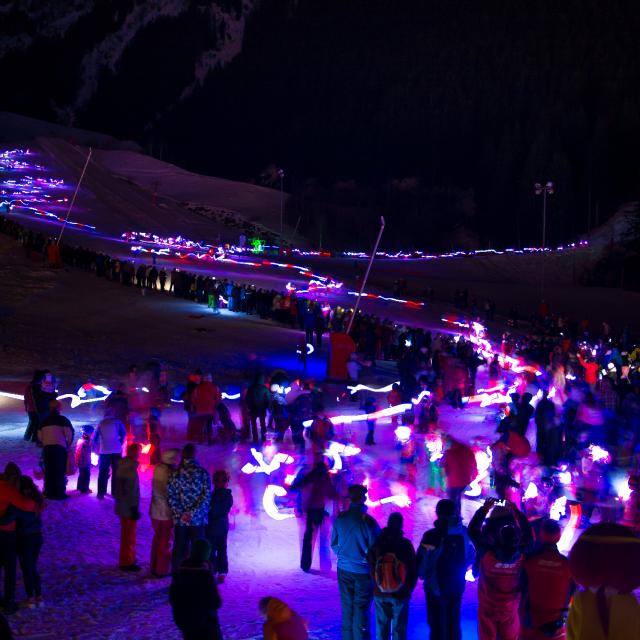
(547, 588)
(590, 372)
(10, 496)
(205, 399)
(500, 544)
(460, 469)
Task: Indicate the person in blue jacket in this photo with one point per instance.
(354, 533)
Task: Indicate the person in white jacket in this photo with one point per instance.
(161, 518)
(107, 441)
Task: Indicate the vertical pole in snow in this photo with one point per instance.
(366, 275)
(75, 193)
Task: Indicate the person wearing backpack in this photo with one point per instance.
(444, 554)
(394, 571)
(354, 533)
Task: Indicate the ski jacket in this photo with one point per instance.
(354, 533)
(189, 491)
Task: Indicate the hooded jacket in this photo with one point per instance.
(221, 503)
(282, 623)
(392, 541)
(354, 533)
(431, 540)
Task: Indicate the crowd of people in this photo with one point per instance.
(569, 429)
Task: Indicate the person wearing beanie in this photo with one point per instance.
(500, 543)
(547, 588)
(444, 554)
(160, 512)
(126, 491)
(56, 437)
(281, 622)
(354, 533)
(394, 571)
(194, 596)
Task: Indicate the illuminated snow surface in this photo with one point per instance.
(88, 597)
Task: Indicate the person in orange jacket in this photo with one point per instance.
(10, 496)
(281, 622)
(547, 588)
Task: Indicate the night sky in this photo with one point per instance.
(439, 115)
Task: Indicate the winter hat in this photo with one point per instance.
(357, 492)
(395, 521)
(201, 550)
(445, 509)
(549, 532)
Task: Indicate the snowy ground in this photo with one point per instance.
(89, 597)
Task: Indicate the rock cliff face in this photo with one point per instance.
(70, 60)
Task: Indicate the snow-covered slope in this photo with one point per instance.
(206, 195)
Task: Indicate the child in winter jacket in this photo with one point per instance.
(282, 623)
(218, 525)
(83, 459)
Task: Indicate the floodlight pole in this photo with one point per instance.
(75, 193)
(366, 275)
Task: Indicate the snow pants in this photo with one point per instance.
(160, 564)
(127, 542)
(356, 595)
(55, 470)
(504, 624)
